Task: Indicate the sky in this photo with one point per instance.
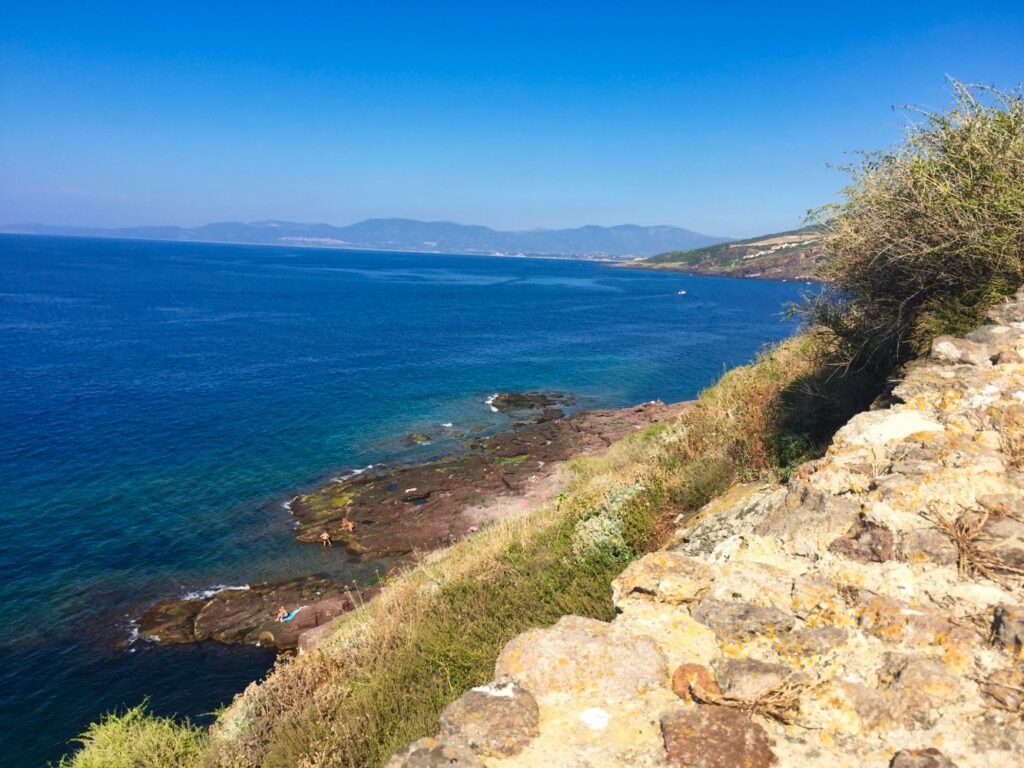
(725, 118)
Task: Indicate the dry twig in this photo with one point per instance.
(781, 703)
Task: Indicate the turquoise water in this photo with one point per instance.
(161, 400)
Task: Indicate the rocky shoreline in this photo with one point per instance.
(392, 512)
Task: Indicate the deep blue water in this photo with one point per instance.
(159, 401)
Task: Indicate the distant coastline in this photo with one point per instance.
(347, 249)
(410, 235)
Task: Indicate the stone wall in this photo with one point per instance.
(868, 613)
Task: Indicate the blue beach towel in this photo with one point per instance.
(292, 615)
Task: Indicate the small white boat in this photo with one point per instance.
(681, 293)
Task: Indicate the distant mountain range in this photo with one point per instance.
(411, 235)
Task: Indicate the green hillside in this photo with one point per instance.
(792, 255)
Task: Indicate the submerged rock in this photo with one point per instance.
(398, 510)
(509, 402)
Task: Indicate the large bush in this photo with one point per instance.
(930, 233)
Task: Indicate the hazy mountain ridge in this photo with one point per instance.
(413, 235)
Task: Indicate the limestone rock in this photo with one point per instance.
(872, 707)
(994, 335)
(921, 758)
(1008, 312)
(927, 544)
(947, 349)
(736, 511)
(882, 427)
(752, 581)
(740, 620)
(436, 753)
(748, 678)
(665, 577)
(582, 657)
(492, 719)
(810, 642)
(865, 542)
(919, 688)
(715, 737)
(1008, 357)
(1007, 541)
(809, 520)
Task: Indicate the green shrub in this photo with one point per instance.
(138, 739)
(930, 233)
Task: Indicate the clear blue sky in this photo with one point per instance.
(720, 117)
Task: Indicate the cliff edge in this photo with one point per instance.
(869, 612)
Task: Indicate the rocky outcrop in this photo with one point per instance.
(391, 511)
(870, 612)
(250, 614)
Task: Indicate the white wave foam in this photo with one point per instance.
(133, 632)
(205, 594)
(447, 425)
(490, 402)
(134, 636)
(349, 474)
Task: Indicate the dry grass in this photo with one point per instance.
(1011, 435)
(977, 555)
(781, 703)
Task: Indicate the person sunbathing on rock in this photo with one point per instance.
(348, 525)
(325, 537)
(281, 613)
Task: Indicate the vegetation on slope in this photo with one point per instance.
(382, 676)
(930, 234)
(137, 739)
(792, 255)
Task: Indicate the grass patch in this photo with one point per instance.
(511, 461)
(137, 739)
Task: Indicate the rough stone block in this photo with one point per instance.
(493, 719)
(436, 753)
(583, 658)
(715, 737)
(741, 621)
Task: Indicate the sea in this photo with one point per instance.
(160, 402)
